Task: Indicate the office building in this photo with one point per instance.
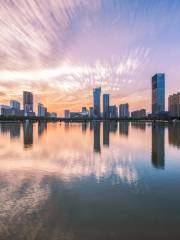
(85, 112)
(5, 110)
(53, 115)
(106, 105)
(158, 93)
(174, 105)
(84, 109)
(28, 103)
(113, 111)
(124, 110)
(15, 104)
(91, 112)
(97, 102)
(41, 110)
(66, 113)
(139, 113)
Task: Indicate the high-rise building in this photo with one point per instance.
(53, 114)
(4, 110)
(174, 105)
(91, 112)
(113, 111)
(85, 112)
(139, 113)
(158, 93)
(106, 105)
(41, 110)
(124, 110)
(15, 104)
(67, 113)
(27, 102)
(84, 109)
(97, 102)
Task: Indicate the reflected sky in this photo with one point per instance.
(74, 180)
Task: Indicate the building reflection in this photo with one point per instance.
(113, 126)
(42, 126)
(13, 128)
(66, 126)
(4, 128)
(124, 128)
(106, 129)
(139, 125)
(84, 126)
(174, 134)
(91, 126)
(97, 138)
(28, 134)
(158, 148)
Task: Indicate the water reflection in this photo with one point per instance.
(28, 134)
(42, 126)
(12, 128)
(106, 129)
(84, 126)
(124, 128)
(113, 127)
(158, 148)
(60, 189)
(139, 125)
(97, 138)
(174, 134)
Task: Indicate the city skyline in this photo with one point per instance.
(60, 54)
(101, 107)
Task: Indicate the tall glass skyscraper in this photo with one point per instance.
(97, 101)
(124, 110)
(27, 102)
(106, 105)
(158, 93)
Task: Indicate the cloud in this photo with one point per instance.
(68, 47)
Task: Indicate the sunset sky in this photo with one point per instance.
(61, 49)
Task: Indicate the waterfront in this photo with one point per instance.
(89, 181)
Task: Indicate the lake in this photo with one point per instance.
(89, 181)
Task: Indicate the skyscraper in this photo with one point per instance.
(97, 102)
(41, 110)
(174, 105)
(27, 102)
(91, 111)
(67, 113)
(106, 105)
(158, 93)
(113, 111)
(15, 104)
(124, 110)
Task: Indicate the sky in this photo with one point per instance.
(61, 49)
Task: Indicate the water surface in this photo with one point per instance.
(89, 181)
